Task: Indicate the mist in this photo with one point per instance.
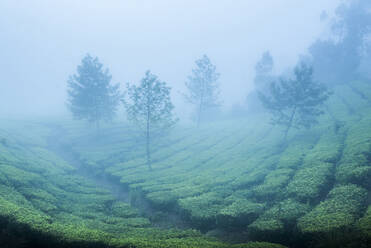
(42, 42)
(189, 124)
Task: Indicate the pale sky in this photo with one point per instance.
(42, 42)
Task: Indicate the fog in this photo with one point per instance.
(42, 42)
(195, 123)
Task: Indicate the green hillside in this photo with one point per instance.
(231, 183)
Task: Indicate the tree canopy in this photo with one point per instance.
(263, 72)
(203, 87)
(91, 96)
(149, 106)
(262, 80)
(296, 102)
(340, 58)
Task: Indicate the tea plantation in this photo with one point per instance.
(231, 183)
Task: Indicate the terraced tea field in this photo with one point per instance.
(226, 184)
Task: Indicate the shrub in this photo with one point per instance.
(309, 182)
(239, 214)
(343, 205)
(278, 221)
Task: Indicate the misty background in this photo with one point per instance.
(42, 42)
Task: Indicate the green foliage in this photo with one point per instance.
(242, 207)
(90, 94)
(203, 208)
(314, 176)
(193, 166)
(355, 166)
(295, 102)
(274, 219)
(270, 227)
(274, 184)
(203, 89)
(239, 214)
(287, 210)
(18, 177)
(161, 199)
(233, 176)
(364, 223)
(308, 183)
(258, 245)
(342, 207)
(149, 106)
(149, 103)
(124, 210)
(71, 210)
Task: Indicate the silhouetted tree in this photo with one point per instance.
(90, 94)
(296, 102)
(338, 60)
(149, 106)
(263, 78)
(203, 88)
(263, 72)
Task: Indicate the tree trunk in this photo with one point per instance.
(290, 123)
(148, 143)
(199, 115)
(200, 107)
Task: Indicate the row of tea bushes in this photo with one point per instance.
(240, 176)
(44, 203)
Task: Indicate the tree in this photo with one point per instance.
(263, 72)
(296, 102)
(340, 59)
(90, 94)
(203, 87)
(263, 78)
(149, 106)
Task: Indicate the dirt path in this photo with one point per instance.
(163, 219)
(101, 180)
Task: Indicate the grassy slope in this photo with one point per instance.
(44, 202)
(234, 175)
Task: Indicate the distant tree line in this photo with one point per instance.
(294, 100)
(346, 55)
(92, 97)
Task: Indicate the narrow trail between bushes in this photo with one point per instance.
(160, 218)
(102, 180)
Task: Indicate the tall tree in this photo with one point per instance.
(203, 88)
(296, 102)
(149, 106)
(263, 72)
(338, 59)
(263, 78)
(90, 94)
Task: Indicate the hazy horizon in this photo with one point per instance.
(43, 42)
